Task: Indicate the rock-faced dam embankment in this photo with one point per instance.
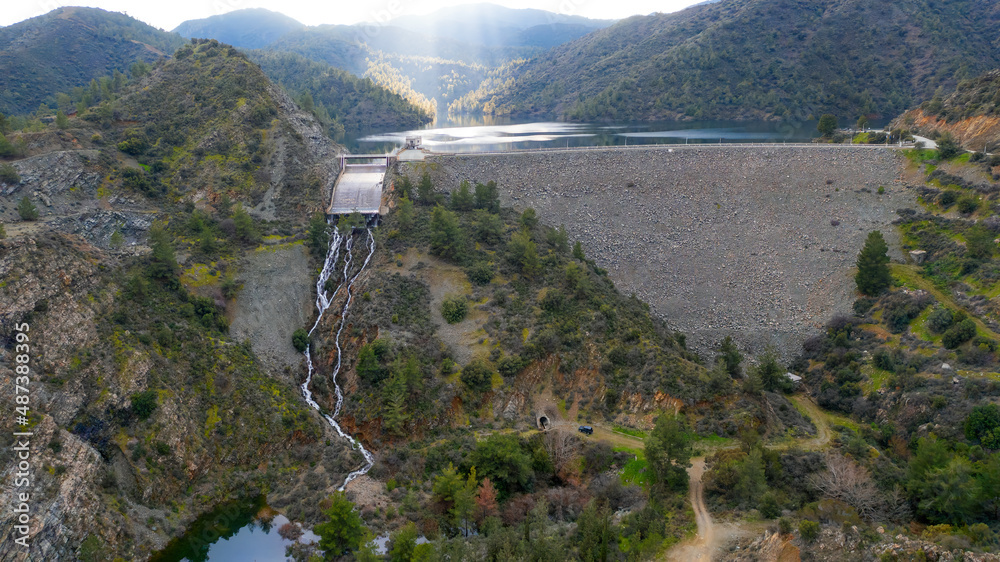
(758, 243)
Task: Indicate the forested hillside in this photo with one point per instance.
(343, 102)
(69, 47)
(751, 59)
(970, 114)
(251, 28)
(135, 220)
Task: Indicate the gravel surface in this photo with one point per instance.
(727, 240)
(276, 299)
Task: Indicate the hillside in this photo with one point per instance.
(753, 59)
(69, 47)
(158, 396)
(400, 60)
(251, 28)
(343, 102)
(970, 114)
(494, 25)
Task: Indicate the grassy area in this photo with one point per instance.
(910, 276)
(630, 431)
(634, 471)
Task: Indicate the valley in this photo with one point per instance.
(717, 284)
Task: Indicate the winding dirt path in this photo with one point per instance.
(712, 536)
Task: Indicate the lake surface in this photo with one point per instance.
(240, 531)
(500, 134)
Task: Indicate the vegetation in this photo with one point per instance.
(342, 102)
(740, 60)
(343, 530)
(103, 43)
(9, 175)
(873, 275)
(27, 210)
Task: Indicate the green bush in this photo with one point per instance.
(480, 273)
(785, 525)
(478, 376)
(958, 334)
(454, 309)
(300, 339)
(8, 174)
(939, 320)
(947, 198)
(968, 204)
(27, 210)
(809, 530)
(144, 403)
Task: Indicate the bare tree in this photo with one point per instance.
(851, 483)
(563, 448)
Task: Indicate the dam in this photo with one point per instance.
(754, 242)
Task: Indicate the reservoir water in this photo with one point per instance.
(485, 134)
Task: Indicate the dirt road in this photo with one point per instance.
(712, 536)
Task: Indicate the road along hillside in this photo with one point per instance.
(756, 242)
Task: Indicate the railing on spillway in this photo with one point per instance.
(358, 187)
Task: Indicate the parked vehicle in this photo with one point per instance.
(586, 429)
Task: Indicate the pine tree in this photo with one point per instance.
(343, 530)
(425, 189)
(27, 209)
(873, 275)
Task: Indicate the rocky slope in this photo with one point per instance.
(759, 223)
(971, 114)
(146, 410)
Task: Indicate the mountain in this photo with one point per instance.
(68, 47)
(493, 25)
(163, 398)
(342, 101)
(398, 59)
(753, 59)
(971, 114)
(251, 28)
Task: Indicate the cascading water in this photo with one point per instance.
(323, 302)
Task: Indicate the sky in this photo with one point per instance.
(169, 14)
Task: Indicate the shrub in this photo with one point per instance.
(947, 198)
(300, 339)
(939, 320)
(785, 525)
(478, 376)
(968, 204)
(769, 507)
(958, 334)
(480, 273)
(454, 309)
(8, 174)
(809, 530)
(143, 403)
(27, 210)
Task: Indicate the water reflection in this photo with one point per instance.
(497, 134)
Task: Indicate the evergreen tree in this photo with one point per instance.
(668, 451)
(731, 357)
(3, 231)
(487, 197)
(318, 237)
(523, 252)
(447, 237)
(462, 200)
(873, 275)
(163, 262)
(425, 189)
(61, 120)
(343, 530)
(827, 125)
(27, 210)
(772, 375)
(405, 213)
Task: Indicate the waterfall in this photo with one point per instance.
(323, 302)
